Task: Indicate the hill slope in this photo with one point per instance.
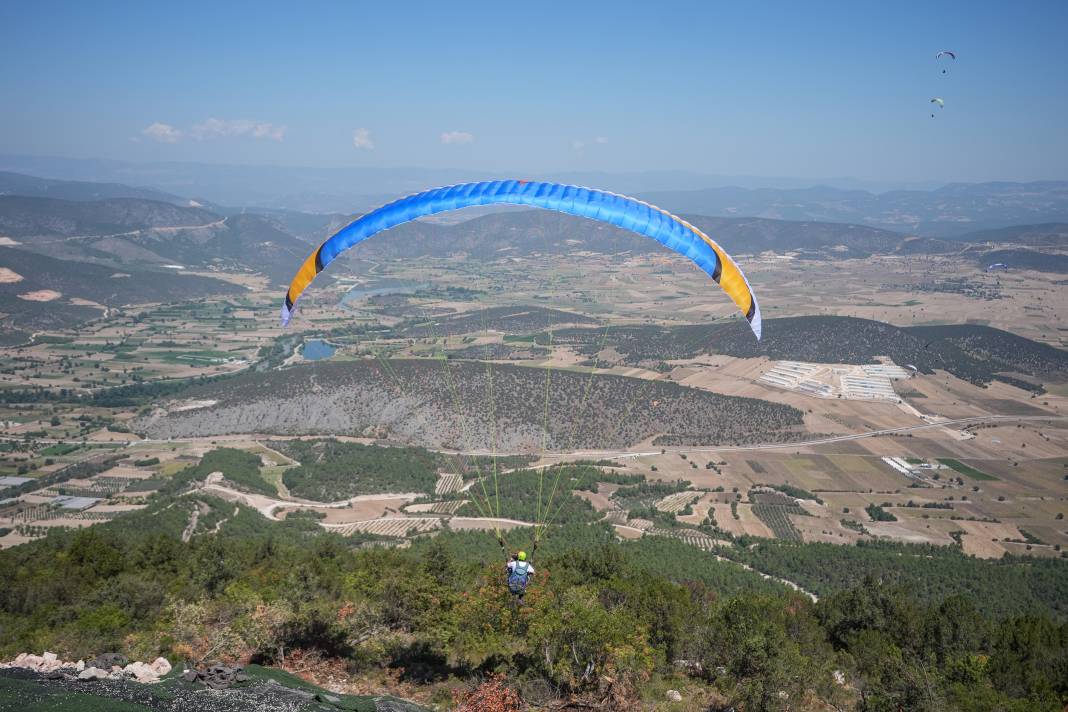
(473, 407)
(24, 217)
(37, 290)
(135, 232)
(524, 232)
(1052, 234)
(32, 186)
(972, 352)
(1026, 259)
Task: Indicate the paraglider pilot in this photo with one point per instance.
(519, 571)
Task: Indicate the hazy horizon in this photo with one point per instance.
(832, 93)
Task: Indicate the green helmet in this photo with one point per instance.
(522, 556)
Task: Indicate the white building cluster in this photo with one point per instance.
(868, 382)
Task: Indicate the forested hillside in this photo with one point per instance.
(38, 290)
(1050, 234)
(470, 405)
(34, 187)
(602, 621)
(25, 217)
(970, 351)
(138, 233)
(1019, 259)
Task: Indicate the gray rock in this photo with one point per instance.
(93, 673)
(674, 696)
(387, 704)
(106, 661)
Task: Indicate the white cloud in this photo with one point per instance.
(580, 144)
(361, 139)
(216, 128)
(164, 133)
(457, 137)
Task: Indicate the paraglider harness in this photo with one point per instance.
(518, 575)
(518, 578)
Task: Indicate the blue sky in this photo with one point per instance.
(810, 90)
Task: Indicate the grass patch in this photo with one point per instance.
(273, 476)
(59, 449)
(966, 469)
(169, 469)
(1058, 389)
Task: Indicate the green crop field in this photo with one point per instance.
(965, 469)
(777, 518)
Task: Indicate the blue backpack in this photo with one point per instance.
(518, 577)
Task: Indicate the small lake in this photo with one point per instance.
(317, 350)
(381, 289)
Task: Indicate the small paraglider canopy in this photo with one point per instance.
(938, 100)
(946, 53)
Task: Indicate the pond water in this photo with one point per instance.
(381, 289)
(317, 349)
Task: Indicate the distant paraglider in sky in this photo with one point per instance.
(946, 53)
(943, 58)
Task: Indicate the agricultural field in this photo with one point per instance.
(437, 373)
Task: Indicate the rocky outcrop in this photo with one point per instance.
(217, 676)
(108, 666)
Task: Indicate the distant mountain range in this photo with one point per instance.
(525, 232)
(916, 209)
(34, 187)
(28, 216)
(952, 210)
(351, 188)
(98, 230)
(125, 231)
(1050, 234)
